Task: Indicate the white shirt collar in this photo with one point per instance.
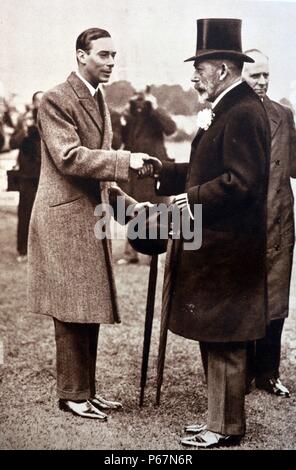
(89, 85)
(219, 98)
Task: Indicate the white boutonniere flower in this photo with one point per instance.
(205, 118)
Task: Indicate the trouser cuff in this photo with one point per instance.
(227, 430)
(74, 395)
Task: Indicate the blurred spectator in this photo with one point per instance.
(26, 138)
(2, 136)
(144, 126)
(116, 129)
(286, 102)
(6, 125)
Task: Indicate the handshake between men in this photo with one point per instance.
(145, 165)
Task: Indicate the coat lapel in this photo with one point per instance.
(107, 126)
(273, 116)
(86, 100)
(198, 136)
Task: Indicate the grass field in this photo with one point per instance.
(30, 418)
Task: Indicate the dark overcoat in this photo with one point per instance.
(29, 159)
(70, 273)
(30, 153)
(280, 221)
(219, 291)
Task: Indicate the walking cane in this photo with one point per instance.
(163, 335)
(161, 360)
(168, 286)
(148, 323)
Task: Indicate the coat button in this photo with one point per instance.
(278, 220)
(277, 162)
(277, 247)
(278, 190)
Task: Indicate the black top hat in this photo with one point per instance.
(145, 244)
(219, 38)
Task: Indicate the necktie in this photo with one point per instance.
(99, 103)
(96, 97)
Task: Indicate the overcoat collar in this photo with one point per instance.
(234, 95)
(273, 115)
(87, 101)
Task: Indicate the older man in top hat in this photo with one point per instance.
(265, 353)
(218, 293)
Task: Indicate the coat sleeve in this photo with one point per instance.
(165, 123)
(246, 145)
(292, 136)
(59, 132)
(172, 180)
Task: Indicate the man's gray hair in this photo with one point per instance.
(235, 66)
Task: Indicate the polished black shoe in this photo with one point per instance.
(103, 404)
(84, 409)
(273, 386)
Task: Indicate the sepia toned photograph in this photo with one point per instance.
(147, 180)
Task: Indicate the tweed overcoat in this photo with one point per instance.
(280, 221)
(219, 291)
(70, 271)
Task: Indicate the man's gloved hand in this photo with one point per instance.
(181, 200)
(152, 167)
